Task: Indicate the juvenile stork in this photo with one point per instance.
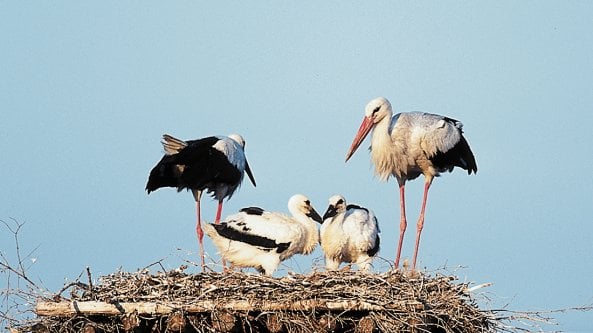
(410, 144)
(349, 233)
(262, 239)
(215, 164)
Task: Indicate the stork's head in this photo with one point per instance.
(375, 111)
(300, 204)
(337, 205)
(238, 139)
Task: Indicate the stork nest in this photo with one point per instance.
(339, 301)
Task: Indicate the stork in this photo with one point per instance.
(215, 164)
(349, 233)
(262, 239)
(411, 144)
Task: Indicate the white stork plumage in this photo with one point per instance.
(411, 144)
(262, 239)
(349, 233)
(215, 164)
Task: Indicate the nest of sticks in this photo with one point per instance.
(340, 301)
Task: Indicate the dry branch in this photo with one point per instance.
(20, 289)
(65, 309)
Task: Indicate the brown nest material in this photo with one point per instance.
(342, 301)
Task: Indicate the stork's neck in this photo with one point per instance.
(385, 153)
(381, 135)
(311, 236)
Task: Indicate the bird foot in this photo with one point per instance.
(409, 272)
(229, 269)
(412, 274)
(208, 268)
(346, 268)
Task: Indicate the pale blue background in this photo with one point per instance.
(87, 90)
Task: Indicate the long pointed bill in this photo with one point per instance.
(363, 131)
(315, 216)
(248, 170)
(330, 212)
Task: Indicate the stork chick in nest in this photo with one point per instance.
(262, 239)
(349, 234)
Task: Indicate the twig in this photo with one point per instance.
(158, 262)
(17, 272)
(20, 271)
(90, 286)
(17, 301)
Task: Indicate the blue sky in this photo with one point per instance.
(87, 90)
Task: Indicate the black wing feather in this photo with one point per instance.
(371, 252)
(252, 211)
(228, 232)
(203, 167)
(458, 156)
(353, 206)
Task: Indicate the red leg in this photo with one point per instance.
(218, 212)
(402, 222)
(200, 233)
(217, 221)
(420, 224)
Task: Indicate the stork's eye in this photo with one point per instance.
(340, 202)
(376, 109)
(307, 202)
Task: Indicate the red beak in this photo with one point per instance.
(363, 131)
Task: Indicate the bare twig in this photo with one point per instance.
(19, 273)
(158, 262)
(16, 301)
(19, 270)
(88, 274)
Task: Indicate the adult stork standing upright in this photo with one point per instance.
(410, 144)
(215, 164)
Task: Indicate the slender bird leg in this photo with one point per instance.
(200, 233)
(197, 196)
(217, 221)
(420, 224)
(402, 222)
(218, 212)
